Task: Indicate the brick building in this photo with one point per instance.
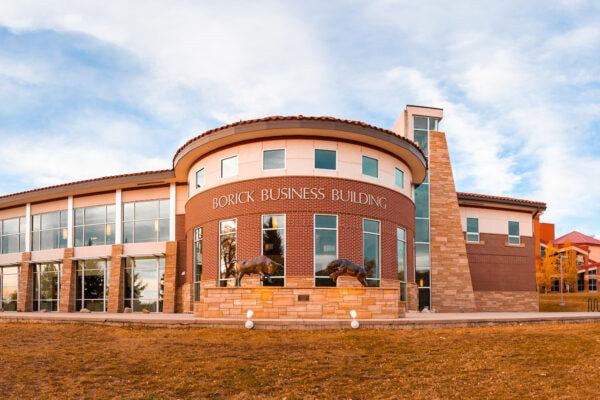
(302, 191)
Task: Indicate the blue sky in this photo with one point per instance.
(89, 89)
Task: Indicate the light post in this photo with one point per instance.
(562, 297)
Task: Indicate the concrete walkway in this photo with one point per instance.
(412, 320)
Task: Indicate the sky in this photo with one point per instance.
(95, 88)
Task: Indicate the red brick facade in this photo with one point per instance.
(399, 212)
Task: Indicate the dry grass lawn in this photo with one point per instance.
(86, 361)
(573, 301)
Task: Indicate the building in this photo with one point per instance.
(302, 191)
(585, 250)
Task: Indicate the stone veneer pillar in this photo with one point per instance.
(116, 280)
(25, 295)
(412, 297)
(451, 285)
(67, 282)
(170, 277)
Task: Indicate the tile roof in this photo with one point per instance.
(104, 178)
(297, 118)
(500, 199)
(577, 238)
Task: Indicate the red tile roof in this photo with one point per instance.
(577, 238)
(298, 118)
(500, 199)
(104, 178)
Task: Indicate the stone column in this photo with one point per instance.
(116, 280)
(412, 299)
(25, 295)
(451, 285)
(170, 277)
(67, 282)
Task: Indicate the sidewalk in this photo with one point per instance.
(411, 321)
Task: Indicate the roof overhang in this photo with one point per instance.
(504, 203)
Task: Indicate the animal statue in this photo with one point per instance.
(341, 266)
(261, 265)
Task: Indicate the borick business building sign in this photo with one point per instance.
(298, 193)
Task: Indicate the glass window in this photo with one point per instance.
(421, 123)
(370, 166)
(200, 178)
(144, 283)
(422, 201)
(49, 231)
(325, 159)
(273, 246)
(9, 287)
(274, 159)
(371, 251)
(592, 285)
(514, 236)
(399, 178)
(197, 262)
(227, 251)
(92, 285)
(325, 242)
(94, 226)
(12, 235)
(580, 282)
(229, 167)
(422, 230)
(401, 243)
(146, 221)
(473, 230)
(46, 286)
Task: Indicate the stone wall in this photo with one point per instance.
(451, 286)
(488, 301)
(293, 303)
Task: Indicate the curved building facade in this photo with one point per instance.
(302, 191)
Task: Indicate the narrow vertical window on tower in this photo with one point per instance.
(197, 262)
(514, 237)
(372, 250)
(421, 128)
(227, 251)
(401, 239)
(325, 245)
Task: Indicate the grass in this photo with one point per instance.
(573, 301)
(89, 361)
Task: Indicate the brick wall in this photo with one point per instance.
(299, 224)
(451, 287)
(518, 301)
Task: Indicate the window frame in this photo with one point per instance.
(363, 159)
(134, 220)
(3, 273)
(37, 300)
(106, 223)
(401, 171)
(262, 242)
(404, 242)
(237, 171)
(219, 279)
(378, 234)
(334, 151)
(62, 240)
(513, 237)
(201, 170)
(21, 234)
(158, 268)
(337, 243)
(198, 240)
(467, 232)
(80, 266)
(284, 159)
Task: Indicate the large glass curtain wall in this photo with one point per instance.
(46, 286)
(144, 283)
(9, 287)
(422, 127)
(92, 285)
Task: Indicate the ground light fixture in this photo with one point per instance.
(354, 324)
(249, 323)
